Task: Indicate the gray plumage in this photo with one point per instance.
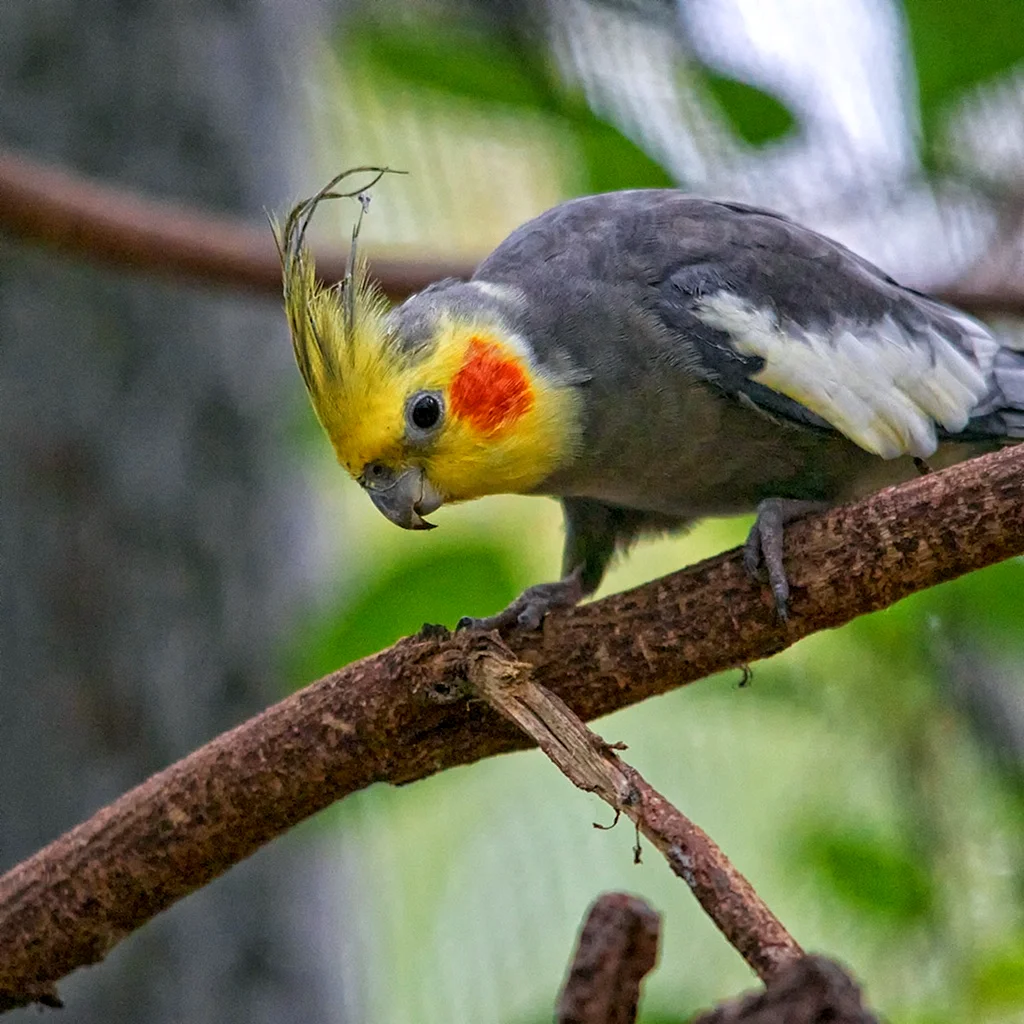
(728, 357)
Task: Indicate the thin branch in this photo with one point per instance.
(120, 228)
(617, 948)
(588, 762)
(375, 720)
(105, 224)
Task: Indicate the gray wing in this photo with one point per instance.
(777, 315)
(807, 330)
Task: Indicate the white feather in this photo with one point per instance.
(884, 387)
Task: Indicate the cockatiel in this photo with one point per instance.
(648, 358)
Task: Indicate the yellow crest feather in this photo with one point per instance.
(337, 331)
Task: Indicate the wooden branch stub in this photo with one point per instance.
(810, 991)
(617, 948)
(594, 766)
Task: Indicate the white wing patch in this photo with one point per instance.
(881, 386)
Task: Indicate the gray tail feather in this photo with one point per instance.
(1001, 412)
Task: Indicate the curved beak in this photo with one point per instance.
(406, 498)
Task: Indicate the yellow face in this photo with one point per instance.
(474, 414)
(466, 415)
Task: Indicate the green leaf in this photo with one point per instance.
(437, 586)
(756, 116)
(996, 979)
(957, 44)
(610, 160)
(460, 64)
(872, 874)
(484, 70)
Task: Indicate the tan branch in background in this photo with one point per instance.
(727, 897)
(618, 947)
(375, 720)
(106, 224)
(119, 228)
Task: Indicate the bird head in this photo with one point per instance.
(439, 400)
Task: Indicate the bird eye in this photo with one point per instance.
(424, 410)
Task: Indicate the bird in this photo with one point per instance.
(649, 358)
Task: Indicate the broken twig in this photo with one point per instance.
(591, 764)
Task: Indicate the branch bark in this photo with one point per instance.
(810, 991)
(617, 948)
(65, 211)
(52, 206)
(378, 719)
(588, 762)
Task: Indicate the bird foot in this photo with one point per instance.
(528, 610)
(762, 553)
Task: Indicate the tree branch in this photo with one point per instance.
(377, 719)
(104, 224)
(591, 764)
(811, 991)
(120, 228)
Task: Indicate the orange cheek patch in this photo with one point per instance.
(490, 390)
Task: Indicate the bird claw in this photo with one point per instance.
(503, 620)
(529, 609)
(763, 551)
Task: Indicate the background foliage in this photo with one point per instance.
(870, 781)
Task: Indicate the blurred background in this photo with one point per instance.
(179, 550)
